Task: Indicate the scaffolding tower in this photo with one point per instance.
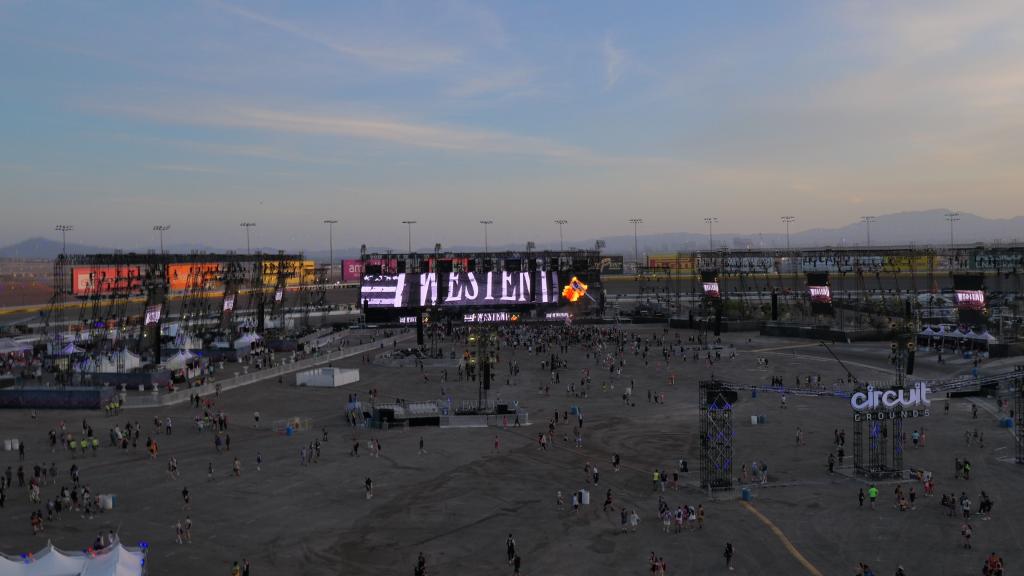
(716, 436)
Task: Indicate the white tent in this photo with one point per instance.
(245, 342)
(179, 361)
(927, 331)
(71, 349)
(122, 361)
(8, 345)
(114, 560)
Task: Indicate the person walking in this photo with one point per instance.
(510, 548)
(729, 551)
(873, 495)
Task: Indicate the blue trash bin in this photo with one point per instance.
(289, 431)
(746, 495)
(753, 392)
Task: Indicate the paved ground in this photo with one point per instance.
(458, 502)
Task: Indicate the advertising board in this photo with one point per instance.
(674, 262)
(202, 276)
(613, 265)
(87, 280)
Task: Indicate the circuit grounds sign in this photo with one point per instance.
(873, 404)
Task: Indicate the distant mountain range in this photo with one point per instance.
(927, 227)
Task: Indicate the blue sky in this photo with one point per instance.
(202, 114)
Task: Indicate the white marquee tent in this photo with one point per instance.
(115, 560)
(180, 360)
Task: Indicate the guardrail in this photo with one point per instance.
(181, 396)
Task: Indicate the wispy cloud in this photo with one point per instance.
(394, 57)
(506, 82)
(187, 168)
(381, 129)
(614, 59)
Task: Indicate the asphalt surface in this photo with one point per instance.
(458, 502)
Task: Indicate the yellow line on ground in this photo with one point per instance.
(790, 347)
(782, 537)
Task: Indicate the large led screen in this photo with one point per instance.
(460, 289)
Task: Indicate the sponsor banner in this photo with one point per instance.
(229, 303)
(88, 280)
(352, 270)
(674, 262)
(295, 272)
(841, 263)
(986, 261)
(463, 289)
(202, 275)
(737, 264)
(908, 263)
(613, 265)
(711, 290)
(564, 316)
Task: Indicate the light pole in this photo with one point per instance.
(64, 229)
(867, 220)
(330, 244)
(636, 246)
(561, 242)
(710, 220)
(788, 220)
(247, 226)
(952, 217)
(161, 228)
(409, 223)
(485, 223)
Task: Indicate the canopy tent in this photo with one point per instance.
(246, 341)
(10, 345)
(983, 336)
(115, 560)
(121, 361)
(180, 360)
(70, 349)
(927, 331)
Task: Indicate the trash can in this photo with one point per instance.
(745, 495)
(585, 497)
(289, 431)
(753, 420)
(753, 392)
(761, 419)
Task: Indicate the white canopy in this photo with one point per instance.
(8, 345)
(114, 560)
(927, 331)
(179, 361)
(245, 342)
(71, 349)
(121, 361)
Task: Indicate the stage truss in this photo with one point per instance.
(716, 437)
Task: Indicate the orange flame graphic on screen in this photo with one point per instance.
(575, 290)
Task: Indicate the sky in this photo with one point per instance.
(202, 114)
